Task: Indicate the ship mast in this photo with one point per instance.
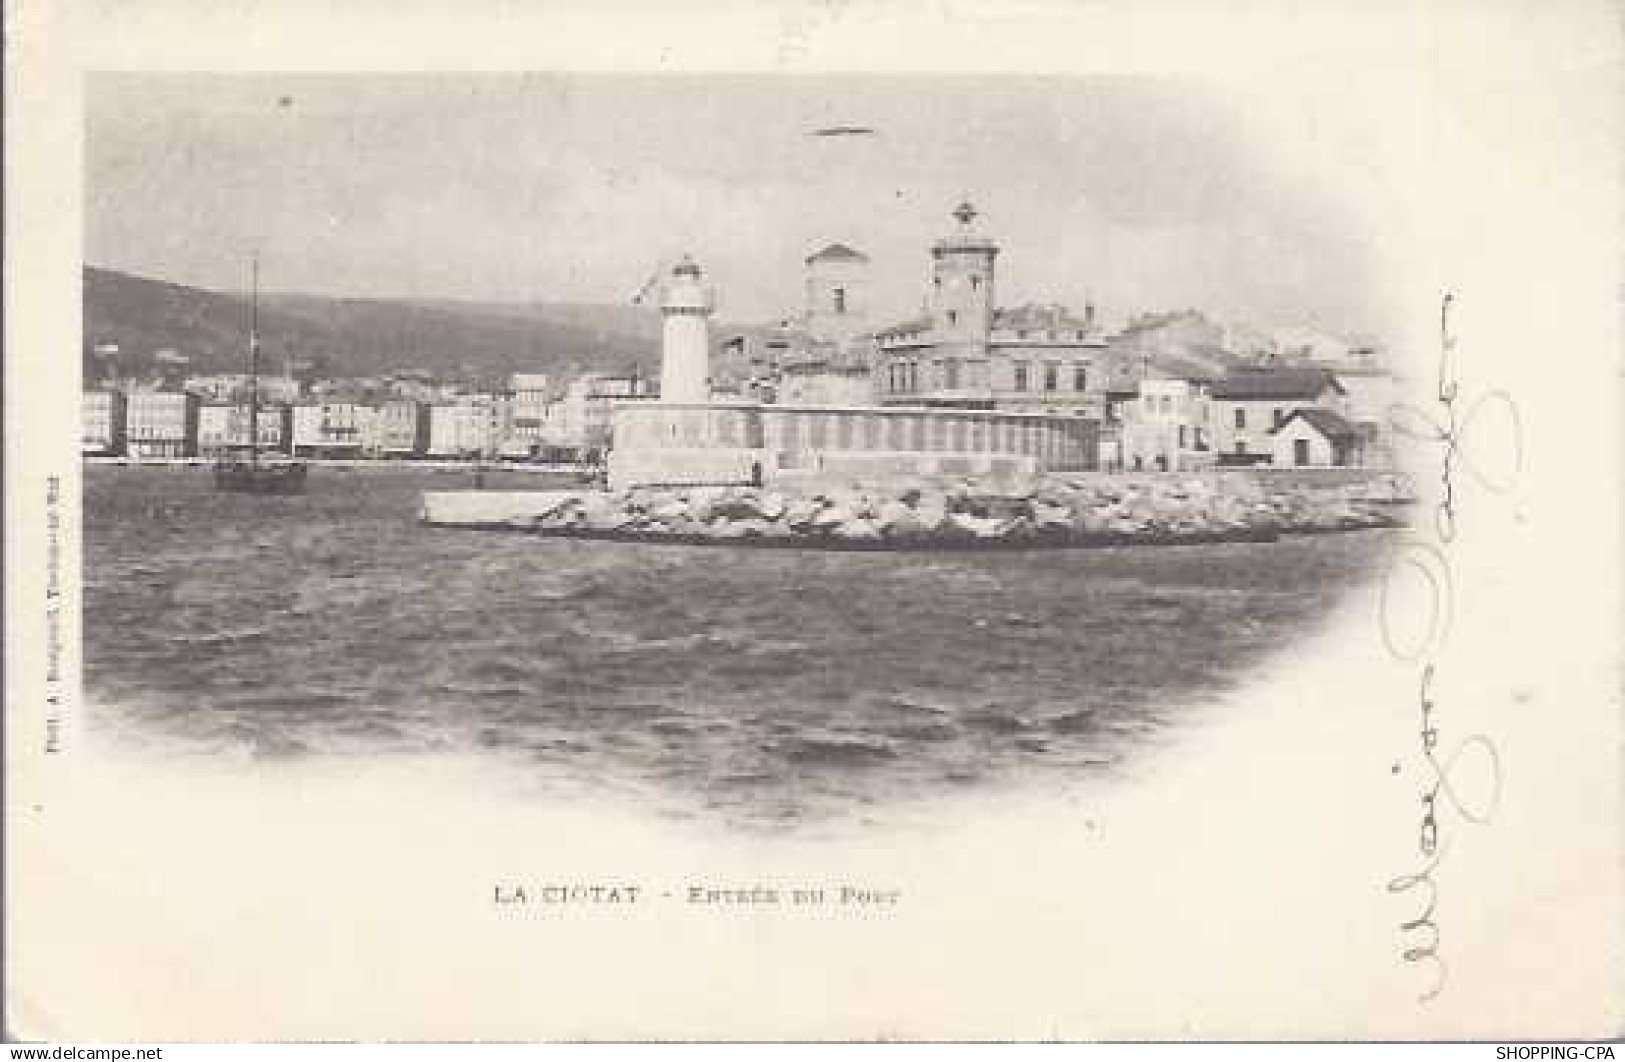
(254, 363)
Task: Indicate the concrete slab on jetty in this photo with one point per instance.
(492, 508)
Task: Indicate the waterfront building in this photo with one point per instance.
(821, 357)
(472, 426)
(675, 441)
(582, 419)
(161, 425)
(964, 351)
(1168, 427)
(331, 429)
(101, 419)
(532, 398)
(398, 429)
(222, 428)
(1313, 437)
(1248, 405)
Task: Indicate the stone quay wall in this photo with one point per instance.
(670, 444)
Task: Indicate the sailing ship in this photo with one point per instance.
(253, 475)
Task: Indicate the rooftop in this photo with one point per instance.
(1325, 421)
(1032, 315)
(1243, 385)
(837, 252)
(913, 324)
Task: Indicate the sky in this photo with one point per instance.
(1139, 194)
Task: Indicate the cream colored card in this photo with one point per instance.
(261, 785)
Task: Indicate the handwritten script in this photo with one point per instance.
(1425, 562)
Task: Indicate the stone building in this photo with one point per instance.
(1248, 405)
(1167, 427)
(101, 420)
(964, 351)
(398, 429)
(471, 426)
(222, 428)
(161, 425)
(679, 442)
(532, 400)
(838, 308)
(1312, 437)
(821, 357)
(331, 429)
(581, 420)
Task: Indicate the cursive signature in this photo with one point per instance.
(1427, 563)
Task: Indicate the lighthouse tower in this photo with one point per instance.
(685, 305)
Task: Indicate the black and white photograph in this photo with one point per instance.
(699, 441)
(981, 544)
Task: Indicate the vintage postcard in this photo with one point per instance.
(812, 521)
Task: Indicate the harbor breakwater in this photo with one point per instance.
(1055, 511)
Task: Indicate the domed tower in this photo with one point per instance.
(961, 296)
(685, 306)
(837, 294)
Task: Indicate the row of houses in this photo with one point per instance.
(525, 421)
(1300, 417)
(1295, 417)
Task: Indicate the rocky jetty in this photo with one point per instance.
(1082, 510)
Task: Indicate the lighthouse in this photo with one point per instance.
(685, 356)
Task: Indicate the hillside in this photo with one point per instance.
(359, 337)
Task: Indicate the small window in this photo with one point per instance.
(1279, 416)
(1167, 405)
(953, 317)
(1021, 376)
(950, 374)
(1052, 375)
(1080, 378)
(840, 300)
(975, 282)
(1182, 436)
(1241, 446)
(1241, 417)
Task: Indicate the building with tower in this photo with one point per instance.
(965, 351)
(838, 294)
(685, 311)
(822, 356)
(687, 438)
